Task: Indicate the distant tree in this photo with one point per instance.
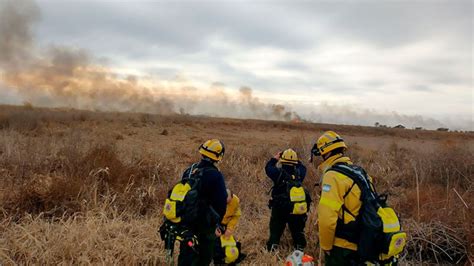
(377, 124)
(28, 105)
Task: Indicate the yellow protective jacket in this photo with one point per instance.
(334, 187)
(232, 214)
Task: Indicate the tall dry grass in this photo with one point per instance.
(86, 187)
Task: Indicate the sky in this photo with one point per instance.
(351, 62)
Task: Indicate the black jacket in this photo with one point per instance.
(277, 174)
(213, 193)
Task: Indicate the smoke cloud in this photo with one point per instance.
(63, 76)
(58, 76)
(357, 115)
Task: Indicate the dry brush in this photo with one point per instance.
(86, 187)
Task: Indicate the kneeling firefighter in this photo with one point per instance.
(228, 249)
(195, 208)
(290, 201)
(355, 224)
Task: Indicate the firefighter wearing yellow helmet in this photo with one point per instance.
(212, 150)
(213, 198)
(290, 201)
(341, 201)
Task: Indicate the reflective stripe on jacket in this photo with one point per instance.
(334, 186)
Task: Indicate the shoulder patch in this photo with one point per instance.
(326, 188)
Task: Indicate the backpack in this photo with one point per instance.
(183, 201)
(227, 250)
(297, 196)
(376, 230)
(296, 199)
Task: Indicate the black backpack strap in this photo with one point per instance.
(297, 172)
(280, 180)
(197, 175)
(344, 208)
(196, 172)
(358, 175)
(346, 231)
(188, 174)
(359, 178)
(191, 170)
(287, 176)
(281, 177)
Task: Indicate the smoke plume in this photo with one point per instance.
(358, 115)
(58, 76)
(62, 76)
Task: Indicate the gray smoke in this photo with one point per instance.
(58, 76)
(62, 76)
(359, 115)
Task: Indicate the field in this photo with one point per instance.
(87, 187)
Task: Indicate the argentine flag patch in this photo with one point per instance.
(326, 188)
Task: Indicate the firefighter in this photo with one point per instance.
(337, 190)
(290, 201)
(213, 198)
(228, 249)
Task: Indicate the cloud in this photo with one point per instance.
(65, 76)
(386, 55)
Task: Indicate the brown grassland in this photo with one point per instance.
(87, 187)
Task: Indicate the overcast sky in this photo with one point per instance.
(412, 57)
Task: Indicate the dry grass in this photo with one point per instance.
(437, 241)
(87, 187)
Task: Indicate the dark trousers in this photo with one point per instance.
(343, 256)
(296, 223)
(205, 251)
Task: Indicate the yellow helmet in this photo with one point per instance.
(328, 142)
(213, 149)
(289, 156)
